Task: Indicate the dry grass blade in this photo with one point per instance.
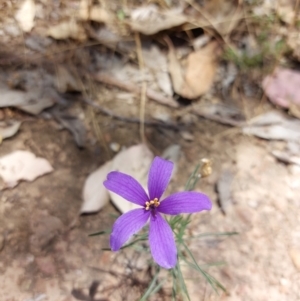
(156, 96)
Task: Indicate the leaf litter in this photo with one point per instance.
(22, 165)
(25, 15)
(194, 78)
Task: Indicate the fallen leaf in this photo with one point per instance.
(195, 76)
(32, 101)
(222, 15)
(135, 161)
(95, 196)
(156, 61)
(8, 130)
(84, 8)
(286, 157)
(149, 20)
(293, 41)
(100, 15)
(283, 88)
(22, 165)
(67, 29)
(173, 153)
(220, 113)
(25, 15)
(274, 126)
(186, 135)
(285, 10)
(94, 13)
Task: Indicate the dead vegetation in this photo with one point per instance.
(203, 75)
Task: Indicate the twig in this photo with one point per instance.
(144, 86)
(96, 127)
(110, 113)
(156, 96)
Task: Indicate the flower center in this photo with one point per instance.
(152, 204)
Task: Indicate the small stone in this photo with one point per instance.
(44, 229)
(295, 256)
(46, 265)
(187, 136)
(12, 30)
(2, 242)
(188, 118)
(115, 147)
(161, 115)
(285, 282)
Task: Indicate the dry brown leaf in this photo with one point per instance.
(25, 15)
(149, 20)
(293, 40)
(67, 29)
(223, 15)
(95, 195)
(100, 15)
(285, 9)
(94, 13)
(196, 77)
(22, 165)
(134, 161)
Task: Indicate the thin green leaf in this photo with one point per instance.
(133, 242)
(182, 282)
(188, 185)
(211, 280)
(152, 288)
(174, 286)
(214, 234)
(100, 233)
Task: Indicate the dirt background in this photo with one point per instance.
(46, 253)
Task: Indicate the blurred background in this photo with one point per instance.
(87, 87)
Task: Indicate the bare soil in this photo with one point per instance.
(46, 253)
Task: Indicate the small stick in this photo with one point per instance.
(156, 96)
(133, 119)
(144, 86)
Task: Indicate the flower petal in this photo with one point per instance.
(162, 243)
(127, 187)
(159, 177)
(127, 225)
(184, 202)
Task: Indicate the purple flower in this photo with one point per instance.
(161, 239)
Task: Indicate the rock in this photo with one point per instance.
(295, 256)
(224, 189)
(45, 228)
(115, 147)
(2, 242)
(46, 265)
(187, 135)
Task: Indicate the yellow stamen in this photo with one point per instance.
(152, 203)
